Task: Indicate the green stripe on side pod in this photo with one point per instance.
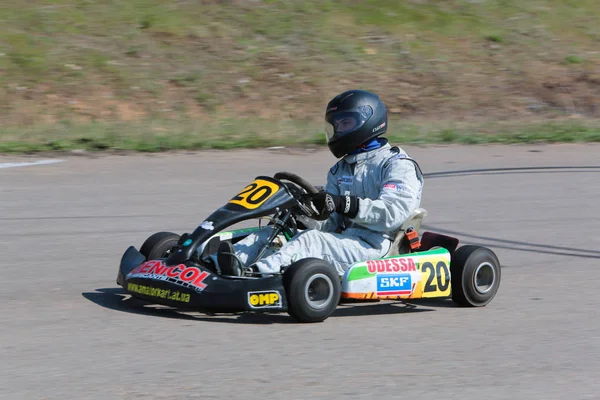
(360, 272)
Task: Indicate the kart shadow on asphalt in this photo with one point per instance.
(118, 299)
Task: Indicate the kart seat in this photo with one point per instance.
(399, 245)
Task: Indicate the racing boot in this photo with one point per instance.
(228, 262)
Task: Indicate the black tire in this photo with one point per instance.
(476, 274)
(158, 245)
(313, 290)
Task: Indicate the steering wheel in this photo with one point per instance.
(303, 183)
(308, 187)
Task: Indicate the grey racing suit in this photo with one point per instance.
(388, 184)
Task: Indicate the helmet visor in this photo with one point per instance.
(343, 122)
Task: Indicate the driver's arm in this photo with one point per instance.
(334, 222)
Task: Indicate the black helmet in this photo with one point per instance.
(353, 118)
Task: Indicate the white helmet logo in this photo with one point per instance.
(378, 127)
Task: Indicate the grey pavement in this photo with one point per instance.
(68, 332)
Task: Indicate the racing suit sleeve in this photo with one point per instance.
(399, 195)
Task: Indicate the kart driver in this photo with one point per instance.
(369, 194)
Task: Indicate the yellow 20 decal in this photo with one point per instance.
(255, 194)
(438, 279)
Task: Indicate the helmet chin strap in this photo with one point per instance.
(372, 144)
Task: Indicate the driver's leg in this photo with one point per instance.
(248, 248)
(338, 249)
(245, 250)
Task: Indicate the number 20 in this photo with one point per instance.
(251, 194)
(443, 279)
(255, 194)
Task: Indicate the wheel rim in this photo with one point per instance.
(484, 277)
(166, 254)
(318, 291)
(168, 248)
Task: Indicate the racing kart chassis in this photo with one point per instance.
(182, 272)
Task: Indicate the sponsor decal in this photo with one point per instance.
(265, 299)
(399, 187)
(345, 180)
(159, 293)
(399, 156)
(329, 203)
(207, 225)
(377, 128)
(332, 109)
(180, 274)
(394, 284)
(391, 265)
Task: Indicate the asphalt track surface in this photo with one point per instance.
(68, 332)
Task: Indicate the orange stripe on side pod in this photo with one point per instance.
(360, 296)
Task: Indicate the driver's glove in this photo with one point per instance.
(327, 203)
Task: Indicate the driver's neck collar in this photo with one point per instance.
(365, 155)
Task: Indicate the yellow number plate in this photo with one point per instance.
(255, 194)
(435, 278)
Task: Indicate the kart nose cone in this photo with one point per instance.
(131, 259)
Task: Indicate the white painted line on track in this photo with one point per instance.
(28, 164)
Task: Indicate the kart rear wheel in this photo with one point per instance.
(159, 245)
(313, 290)
(475, 275)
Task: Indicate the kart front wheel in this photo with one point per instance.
(475, 275)
(313, 290)
(159, 245)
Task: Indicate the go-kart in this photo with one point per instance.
(183, 271)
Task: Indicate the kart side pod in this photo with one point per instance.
(470, 275)
(410, 276)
